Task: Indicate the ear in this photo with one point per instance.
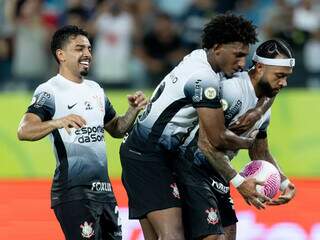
(60, 55)
(217, 48)
(259, 68)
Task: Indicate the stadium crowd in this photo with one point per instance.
(135, 43)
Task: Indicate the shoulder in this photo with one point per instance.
(236, 83)
(47, 86)
(92, 84)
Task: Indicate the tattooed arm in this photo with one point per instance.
(119, 125)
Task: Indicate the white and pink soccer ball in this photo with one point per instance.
(266, 172)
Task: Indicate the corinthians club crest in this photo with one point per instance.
(87, 231)
(212, 216)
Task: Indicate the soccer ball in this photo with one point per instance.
(266, 172)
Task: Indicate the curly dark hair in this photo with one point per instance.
(273, 48)
(62, 35)
(228, 28)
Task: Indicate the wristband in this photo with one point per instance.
(237, 180)
(284, 184)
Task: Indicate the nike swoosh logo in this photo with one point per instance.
(69, 107)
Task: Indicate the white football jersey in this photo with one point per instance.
(238, 96)
(81, 169)
(171, 114)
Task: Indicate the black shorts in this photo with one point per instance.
(207, 206)
(149, 182)
(85, 219)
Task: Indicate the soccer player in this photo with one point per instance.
(189, 94)
(208, 211)
(74, 112)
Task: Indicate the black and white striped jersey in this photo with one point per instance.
(81, 164)
(171, 114)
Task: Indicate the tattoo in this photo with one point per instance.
(218, 160)
(122, 124)
(126, 122)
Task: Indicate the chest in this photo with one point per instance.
(88, 104)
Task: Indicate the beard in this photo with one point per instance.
(84, 73)
(266, 89)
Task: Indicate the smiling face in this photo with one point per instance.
(75, 56)
(230, 58)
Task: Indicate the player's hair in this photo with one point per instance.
(62, 35)
(273, 48)
(228, 28)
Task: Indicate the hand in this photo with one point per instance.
(248, 191)
(285, 197)
(70, 121)
(246, 121)
(137, 101)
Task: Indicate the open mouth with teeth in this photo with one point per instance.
(85, 63)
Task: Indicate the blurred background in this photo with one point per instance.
(135, 44)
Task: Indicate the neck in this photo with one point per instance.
(66, 73)
(255, 80)
(210, 59)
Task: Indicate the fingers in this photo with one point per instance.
(71, 121)
(278, 201)
(257, 203)
(263, 198)
(77, 120)
(259, 182)
(138, 100)
(283, 199)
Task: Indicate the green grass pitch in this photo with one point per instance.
(294, 137)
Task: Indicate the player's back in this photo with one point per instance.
(171, 113)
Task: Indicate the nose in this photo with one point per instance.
(87, 53)
(283, 83)
(242, 63)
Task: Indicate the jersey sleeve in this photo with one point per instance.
(203, 90)
(42, 103)
(110, 113)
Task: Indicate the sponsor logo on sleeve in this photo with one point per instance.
(210, 93)
(197, 97)
(39, 100)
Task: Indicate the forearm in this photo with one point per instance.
(261, 151)
(264, 104)
(231, 141)
(218, 160)
(124, 123)
(35, 131)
